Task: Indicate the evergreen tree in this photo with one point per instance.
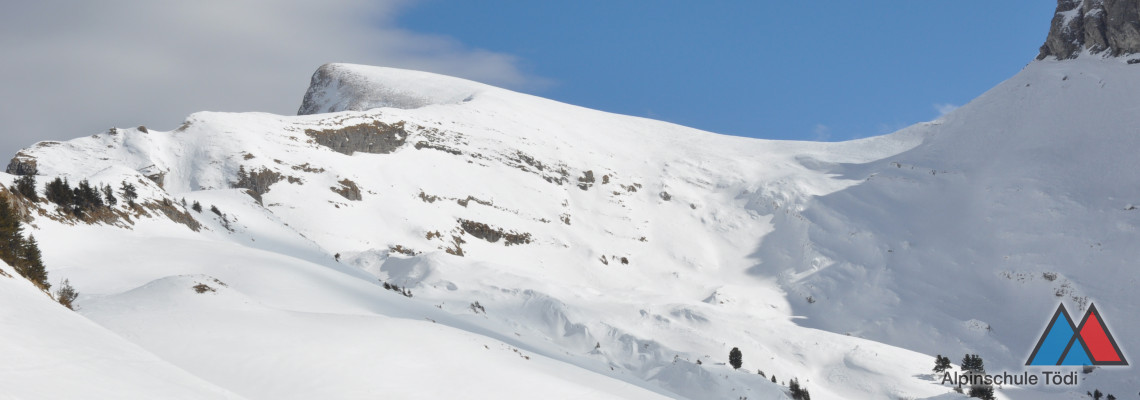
(735, 358)
(23, 255)
(972, 363)
(66, 294)
(58, 191)
(241, 174)
(798, 392)
(109, 195)
(86, 198)
(26, 186)
(33, 264)
(941, 364)
(129, 193)
(197, 206)
(984, 392)
(11, 239)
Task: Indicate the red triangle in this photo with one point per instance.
(1097, 339)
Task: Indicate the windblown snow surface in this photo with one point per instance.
(610, 256)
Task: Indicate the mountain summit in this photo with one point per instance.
(348, 87)
(423, 236)
(1111, 27)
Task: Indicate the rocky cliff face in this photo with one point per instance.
(376, 138)
(1110, 27)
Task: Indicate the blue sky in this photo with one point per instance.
(821, 70)
(831, 70)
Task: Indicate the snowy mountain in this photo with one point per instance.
(423, 236)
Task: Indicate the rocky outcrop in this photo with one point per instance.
(376, 138)
(22, 164)
(174, 213)
(492, 234)
(256, 182)
(1110, 27)
(585, 181)
(348, 190)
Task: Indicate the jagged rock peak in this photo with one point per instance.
(1110, 27)
(344, 87)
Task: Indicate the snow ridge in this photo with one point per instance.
(344, 87)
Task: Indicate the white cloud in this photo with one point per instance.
(944, 108)
(822, 132)
(74, 68)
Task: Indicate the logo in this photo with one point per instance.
(1064, 343)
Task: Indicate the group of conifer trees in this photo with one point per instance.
(971, 364)
(24, 254)
(83, 198)
(736, 359)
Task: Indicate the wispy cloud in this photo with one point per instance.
(944, 108)
(74, 68)
(822, 133)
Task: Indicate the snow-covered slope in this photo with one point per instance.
(1017, 201)
(49, 352)
(629, 256)
(551, 249)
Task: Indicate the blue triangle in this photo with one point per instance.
(1078, 355)
(1055, 340)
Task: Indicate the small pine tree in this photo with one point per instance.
(1096, 394)
(735, 358)
(23, 255)
(984, 392)
(66, 294)
(109, 196)
(941, 364)
(129, 193)
(58, 191)
(26, 186)
(86, 198)
(242, 175)
(1111, 397)
(214, 209)
(11, 231)
(196, 206)
(972, 363)
(773, 378)
(32, 263)
(798, 392)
